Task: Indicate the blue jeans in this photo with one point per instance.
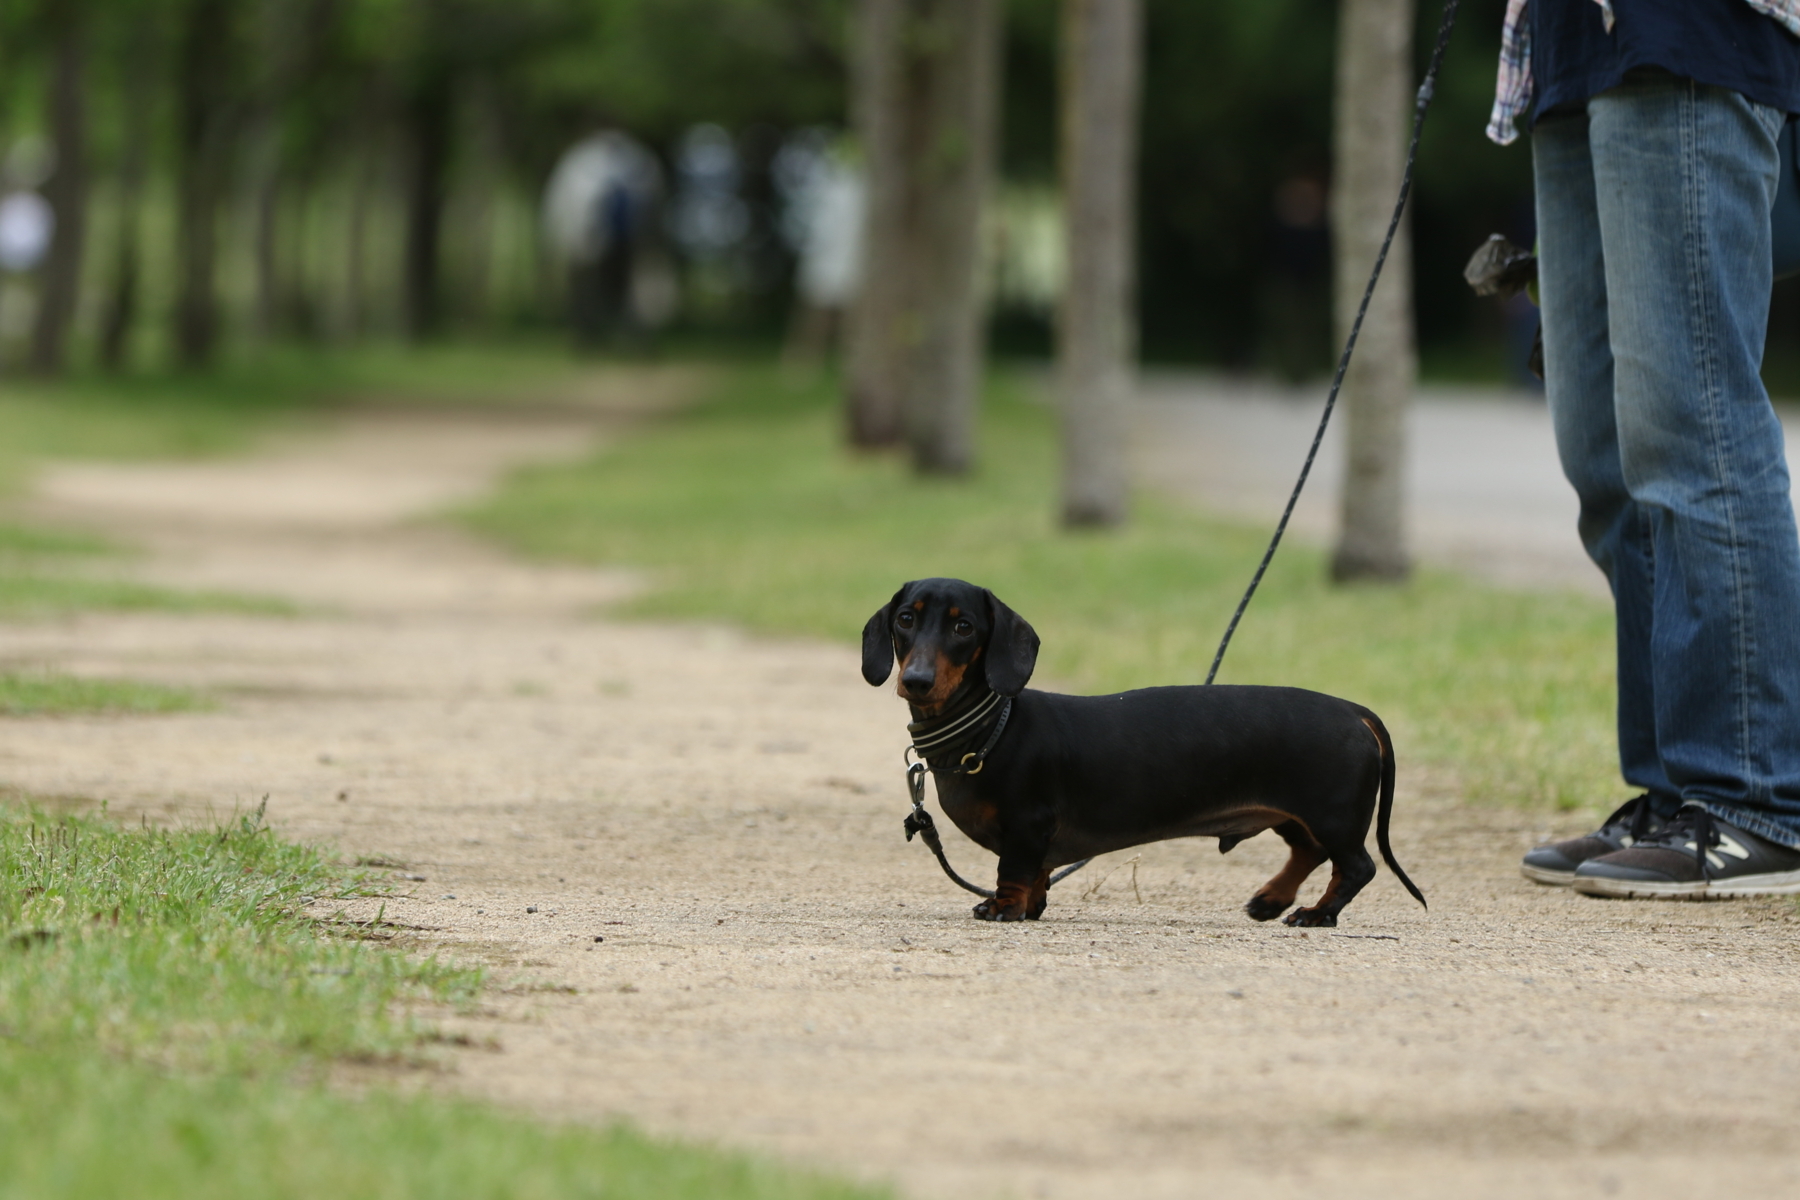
(1654, 273)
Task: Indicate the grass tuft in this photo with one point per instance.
(167, 1012)
(36, 595)
(64, 695)
(20, 541)
(185, 948)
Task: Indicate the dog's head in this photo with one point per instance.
(945, 633)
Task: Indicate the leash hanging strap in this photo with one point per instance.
(919, 821)
(1426, 89)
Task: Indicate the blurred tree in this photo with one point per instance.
(67, 187)
(447, 46)
(287, 41)
(303, 120)
(206, 120)
(959, 53)
(138, 52)
(1373, 111)
(925, 92)
(1096, 330)
(884, 109)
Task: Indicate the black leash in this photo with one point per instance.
(939, 735)
(919, 821)
(929, 736)
(1423, 102)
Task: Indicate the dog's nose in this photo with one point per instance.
(917, 682)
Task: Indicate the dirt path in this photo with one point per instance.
(781, 971)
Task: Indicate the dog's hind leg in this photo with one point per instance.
(1304, 856)
(1351, 870)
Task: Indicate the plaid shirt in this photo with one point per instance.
(1512, 91)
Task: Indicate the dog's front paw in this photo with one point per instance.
(1310, 917)
(1015, 901)
(999, 910)
(1264, 907)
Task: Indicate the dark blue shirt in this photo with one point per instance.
(1725, 43)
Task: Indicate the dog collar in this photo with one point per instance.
(940, 735)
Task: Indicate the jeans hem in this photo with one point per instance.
(1752, 821)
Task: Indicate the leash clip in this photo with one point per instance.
(917, 821)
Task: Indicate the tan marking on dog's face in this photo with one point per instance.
(949, 678)
(945, 680)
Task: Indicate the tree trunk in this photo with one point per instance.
(1097, 327)
(960, 50)
(883, 112)
(201, 142)
(67, 190)
(266, 313)
(480, 205)
(1373, 103)
(139, 96)
(428, 120)
(364, 171)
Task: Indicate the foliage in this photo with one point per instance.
(167, 1013)
(320, 108)
(747, 512)
(1238, 97)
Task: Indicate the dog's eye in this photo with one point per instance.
(904, 620)
(964, 628)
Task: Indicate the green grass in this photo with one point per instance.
(174, 414)
(49, 595)
(168, 1017)
(39, 695)
(162, 415)
(19, 541)
(750, 511)
(186, 949)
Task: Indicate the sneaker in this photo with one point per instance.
(1696, 857)
(1554, 864)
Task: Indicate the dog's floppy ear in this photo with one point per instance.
(878, 643)
(1012, 648)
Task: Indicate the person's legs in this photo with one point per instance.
(1684, 176)
(1578, 383)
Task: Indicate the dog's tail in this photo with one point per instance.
(1385, 807)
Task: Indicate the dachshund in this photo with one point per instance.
(1043, 779)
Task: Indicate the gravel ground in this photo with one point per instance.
(779, 970)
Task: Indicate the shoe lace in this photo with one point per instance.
(1638, 812)
(1691, 822)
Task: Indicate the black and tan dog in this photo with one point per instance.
(1042, 779)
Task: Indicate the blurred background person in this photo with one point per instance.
(27, 227)
(601, 208)
(1296, 296)
(821, 191)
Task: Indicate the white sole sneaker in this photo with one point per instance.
(1777, 883)
(1641, 889)
(1546, 876)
